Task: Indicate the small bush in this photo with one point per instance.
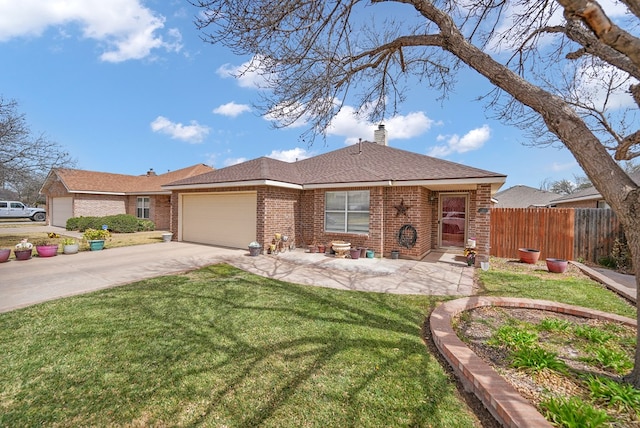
(121, 223)
(536, 359)
(146, 226)
(573, 413)
(610, 358)
(614, 394)
(512, 337)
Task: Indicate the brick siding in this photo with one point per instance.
(300, 216)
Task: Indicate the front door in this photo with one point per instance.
(453, 220)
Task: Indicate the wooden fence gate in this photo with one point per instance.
(566, 233)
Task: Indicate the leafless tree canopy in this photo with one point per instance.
(25, 159)
(566, 71)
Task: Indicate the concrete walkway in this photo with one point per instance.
(24, 283)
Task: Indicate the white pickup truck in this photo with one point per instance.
(15, 209)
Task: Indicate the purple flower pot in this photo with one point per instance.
(47, 250)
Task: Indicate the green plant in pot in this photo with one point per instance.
(69, 246)
(95, 238)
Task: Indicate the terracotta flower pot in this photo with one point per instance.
(557, 265)
(529, 255)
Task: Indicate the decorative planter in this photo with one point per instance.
(557, 265)
(529, 255)
(70, 249)
(255, 251)
(321, 248)
(47, 250)
(341, 248)
(22, 254)
(166, 237)
(354, 253)
(363, 252)
(370, 254)
(395, 254)
(4, 254)
(96, 245)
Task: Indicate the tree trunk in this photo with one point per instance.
(612, 182)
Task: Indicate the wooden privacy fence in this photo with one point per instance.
(566, 233)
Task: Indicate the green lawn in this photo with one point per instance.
(221, 347)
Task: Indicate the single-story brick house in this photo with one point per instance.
(75, 193)
(368, 194)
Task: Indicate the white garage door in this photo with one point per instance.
(61, 210)
(225, 219)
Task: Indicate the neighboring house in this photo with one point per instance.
(368, 194)
(585, 198)
(76, 193)
(524, 197)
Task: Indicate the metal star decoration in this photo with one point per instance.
(401, 208)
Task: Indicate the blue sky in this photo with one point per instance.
(128, 85)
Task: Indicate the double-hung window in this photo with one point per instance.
(142, 207)
(347, 211)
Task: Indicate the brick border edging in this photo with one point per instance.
(501, 399)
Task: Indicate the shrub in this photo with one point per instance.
(573, 413)
(121, 223)
(146, 225)
(95, 234)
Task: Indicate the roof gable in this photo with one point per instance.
(83, 181)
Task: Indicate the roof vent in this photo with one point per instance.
(380, 135)
(151, 173)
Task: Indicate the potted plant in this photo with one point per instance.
(23, 250)
(95, 238)
(69, 246)
(46, 248)
(557, 265)
(470, 255)
(254, 248)
(528, 255)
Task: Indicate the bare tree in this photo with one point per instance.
(560, 63)
(25, 159)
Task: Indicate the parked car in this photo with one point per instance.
(15, 209)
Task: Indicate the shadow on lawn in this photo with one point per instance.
(219, 346)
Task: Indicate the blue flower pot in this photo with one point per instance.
(96, 245)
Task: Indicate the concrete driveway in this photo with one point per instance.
(24, 283)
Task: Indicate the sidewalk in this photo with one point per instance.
(24, 283)
(625, 285)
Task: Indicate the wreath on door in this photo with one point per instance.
(407, 236)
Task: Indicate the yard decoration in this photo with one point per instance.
(557, 265)
(341, 248)
(95, 238)
(529, 255)
(254, 248)
(69, 246)
(47, 250)
(23, 250)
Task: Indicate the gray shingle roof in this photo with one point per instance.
(523, 197)
(359, 163)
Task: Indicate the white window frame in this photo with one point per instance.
(143, 203)
(346, 211)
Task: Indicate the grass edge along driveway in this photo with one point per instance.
(222, 347)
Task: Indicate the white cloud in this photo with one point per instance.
(289, 155)
(192, 133)
(347, 123)
(125, 28)
(231, 109)
(472, 140)
(248, 74)
(234, 161)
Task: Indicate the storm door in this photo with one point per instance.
(453, 220)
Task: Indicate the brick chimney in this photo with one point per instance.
(380, 135)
